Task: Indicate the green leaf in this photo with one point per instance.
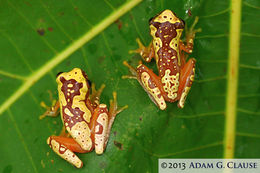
(41, 38)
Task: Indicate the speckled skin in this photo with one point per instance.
(88, 122)
(175, 75)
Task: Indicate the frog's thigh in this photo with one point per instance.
(100, 119)
(65, 148)
(151, 84)
(186, 80)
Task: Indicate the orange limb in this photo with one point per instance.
(186, 79)
(70, 143)
(65, 148)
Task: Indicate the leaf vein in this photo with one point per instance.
(14, 76)
(247, 111)
(200, 115)
(252, 6)
(18, 51)
(210, 79)
(216, 14)
(31, 25)
(22, 140)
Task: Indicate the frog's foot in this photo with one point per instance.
(50, 111)
(94, 98)
(113, 110)
(132, 70)
(190, 35)
(147, 53)
(65, 148)
(191, 31)
(64, 133)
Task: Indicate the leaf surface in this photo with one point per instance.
(34, 34)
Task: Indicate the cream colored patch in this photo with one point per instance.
(100, 138)
(171, 84)
(183, 97)
(81, 133)
(174, 44)
(192, 76)
(170, 17)
(78, 101)
(67, 111)
(68, 155)
(154, 93)
(102, 106)
(157, 42)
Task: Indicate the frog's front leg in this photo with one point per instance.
(190, 35)
(186, 80)
(103, 121)
(52, 111)
(147, 53)
(150, 82)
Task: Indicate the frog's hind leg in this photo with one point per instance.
(103, 121)
(150, 82)
(65, 148)
(186, 80)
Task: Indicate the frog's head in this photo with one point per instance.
(167, 16)
(75, 78)
(76, 73)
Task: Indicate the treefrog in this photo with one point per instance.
(87, 122)
(175, 74)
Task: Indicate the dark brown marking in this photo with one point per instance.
(78, 114)
(166, 32)
(100, 128)
(62, 147)
(118, 145)
(50, 29)
(189, 12)
(41, 31)
(119, 24)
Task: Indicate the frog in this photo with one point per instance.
(176, 75)
(86, 122)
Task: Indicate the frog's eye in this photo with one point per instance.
(89, 82)
(58, 74)
(150, 20)
(183, 22)
(84, 74)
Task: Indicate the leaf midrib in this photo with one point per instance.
(232, 79)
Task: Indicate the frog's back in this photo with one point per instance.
(166, 30)
(73, 92)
